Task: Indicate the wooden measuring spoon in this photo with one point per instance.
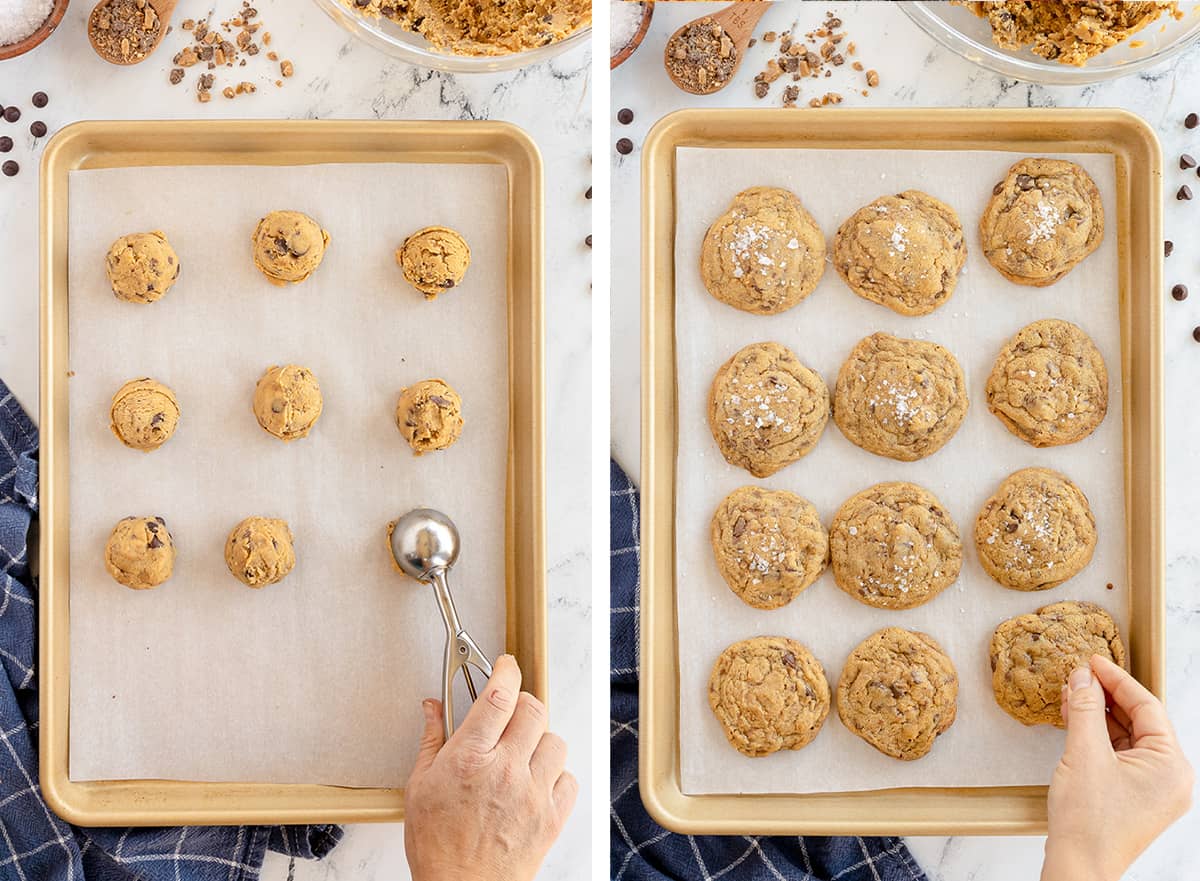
(164, 9)
(738, 21)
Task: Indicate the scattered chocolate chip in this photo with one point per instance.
(1184, 194)
(739, 527)
(996, 190)
(1025, 182)
(624, 116)
(440, 400)
(10, 168)
(1196, 334)
(40, 99)
(6, 144)
(157, 419)
(1186, 161)
(12, 114)
(588, 241)
(155, 542)
(625, 147)
(1168, 247)
(1191, 120)
(789, 660)
(1179, 292)
(1108, 586)
(588, 194)
(37, 129)
(1010, 527)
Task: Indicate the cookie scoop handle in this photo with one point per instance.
(462, 653)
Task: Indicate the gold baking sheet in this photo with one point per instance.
(933, 810)
(117, 145)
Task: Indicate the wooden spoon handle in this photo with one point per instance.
(739, 19)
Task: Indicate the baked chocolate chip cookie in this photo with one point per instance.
(764, 254)
(898, 691)
(769, 693)
(893, 546)
(1036, 531)
(1049, 385)
(766, 409)
(903, 251)
(1042, 220)
(899, 398)
(769, 545)
(1032, 656)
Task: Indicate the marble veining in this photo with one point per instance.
(915, 71)
(339, 77)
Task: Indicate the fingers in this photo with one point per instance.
(526, 727)
(566, 788)
(432, 736)
(549, 759)
(490, 715)
(1087, 721)
(1146, 714)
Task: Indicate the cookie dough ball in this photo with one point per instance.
(1036, 531)
(259, 551)
(287, 401)
(894, 546)
(141, 267)
(764, 254)
(434, 260)
(1049, 385)
(144, 414)
(898, 691)
(140, 553)
(1042, 220)
(769, 545)
(766, 409)
(903, 251)
(1033, 655)
(769, 693)
(429, 415)
(899, 398)
(288, 246)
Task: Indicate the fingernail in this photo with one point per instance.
(1081, 677)
(427, 709)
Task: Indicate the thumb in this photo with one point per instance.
(432, 737)
(1083, 710)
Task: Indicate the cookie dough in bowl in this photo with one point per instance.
(1042, 220)
(898, 691)
(287, 401)
(141, 267)
(769, 545)
(434, 260)
(769, 693)
(1033, 655)
(259, 551)
(766, 409)
(903, 251)
(899, 398)
(429, 415)
(1049, 385)
(893, 546)
(288, 246)
(144, 414)
(764, 254)
(1036, 531)
(140, 552)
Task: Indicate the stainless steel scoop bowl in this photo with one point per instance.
(425, 545)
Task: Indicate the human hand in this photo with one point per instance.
(487, 804)
(1121, 781)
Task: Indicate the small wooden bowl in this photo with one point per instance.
(622, 55)
(12, 50)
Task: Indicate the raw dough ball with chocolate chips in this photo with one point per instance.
(429, 415)
(144, 414)
(259, 551)
(141, 267)
(434, 259)
(140, 553)
(287, 401)
(288, 246)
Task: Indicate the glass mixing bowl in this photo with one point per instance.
(960, 31)
(389, 37)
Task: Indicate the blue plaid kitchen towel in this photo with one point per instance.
(35, 845)
(640, 849)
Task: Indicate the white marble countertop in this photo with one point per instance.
(339, 77)
(916, 72)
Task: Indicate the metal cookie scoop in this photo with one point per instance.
(425, 546)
